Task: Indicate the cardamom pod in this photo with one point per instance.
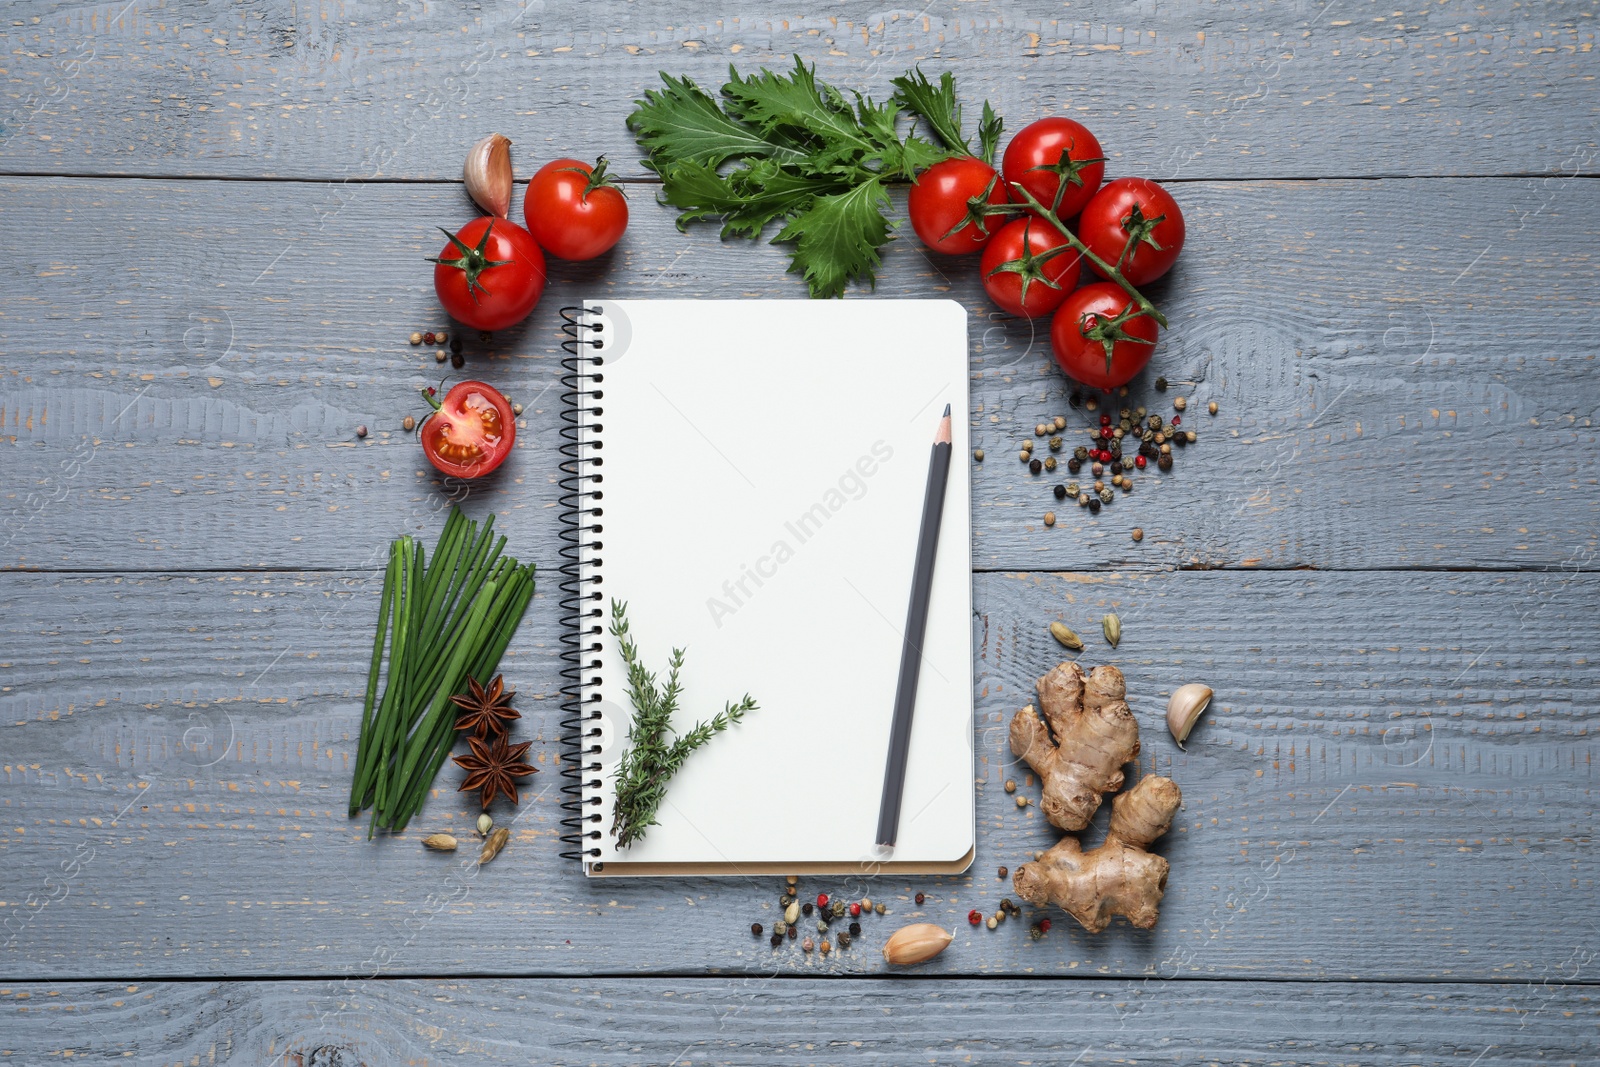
(440, 842)
(1184, 709)
(916, 943)
(1061, 632)
(1112, 626)
(485, 824)
(492, 847)
(791, 914)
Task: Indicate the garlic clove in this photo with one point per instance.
(1184, 709)
(488, 174)
(916, 943)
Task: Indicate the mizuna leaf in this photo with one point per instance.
(747, 200)
(837, 238)
(683, 124)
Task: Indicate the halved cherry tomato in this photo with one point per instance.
(1055, 157)
(574, 210)
(490, 275)
(949, 204)
(470, 432)
(1029, 268)
(1134, 222)
(1101, 338)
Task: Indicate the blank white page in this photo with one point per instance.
(764, 464)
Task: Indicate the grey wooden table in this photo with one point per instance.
(1381, 556)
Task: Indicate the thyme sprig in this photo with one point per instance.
(655, 752)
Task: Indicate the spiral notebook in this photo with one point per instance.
(748, 476)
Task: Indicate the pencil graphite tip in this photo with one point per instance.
(942, 435)
(947, 411)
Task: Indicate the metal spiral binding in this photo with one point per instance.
(581, 611)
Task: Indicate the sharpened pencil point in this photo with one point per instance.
(947, 410)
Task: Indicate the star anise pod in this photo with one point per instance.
(488, 711)
(493, 767)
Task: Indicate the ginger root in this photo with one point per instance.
(1094, 735)
(1078, 749)
(1119, 877)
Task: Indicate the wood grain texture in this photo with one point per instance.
(1246, 89)
(1396, 781)
(183, 372)
(800, 1021)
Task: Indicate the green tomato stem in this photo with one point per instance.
(1105, 268)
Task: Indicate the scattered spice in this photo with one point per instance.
(992, 922)
(1034, 466)
(408, 424)
(496, 842)
(977, 454)
(1049, 463)
(440, 842)
(792, 879)
(416, 338)
(807, 945)
(440, 336)
(487, 712)
(516, 409)
(822, 900)
(1022, 802)
(974, 917)
(1111, 625)
(920, 899)
(458, 361)
(1060, 491)
(493, 767)
(780, 927)
(755, 928)
(485, 824)
(1138, 534)
(1212, 407)
(440, 356)
(794, 932)
(880, 908)
(428, 338)
(844, 940)
(805, 909)
(1049, 518)
(826, 947)
(1068, 639)
(775, 940)
(855, 909)
(1011, 785)
(1002, 872)
(1180, 403)
(1161, 384)
(866, 903)
(855, 929)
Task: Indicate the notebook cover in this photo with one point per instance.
(761, 472)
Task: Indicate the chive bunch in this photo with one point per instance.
(440, 622)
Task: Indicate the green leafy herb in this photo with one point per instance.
(654, 753)
(802, 154)
(441, 623)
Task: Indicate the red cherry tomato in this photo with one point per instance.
(1029, 268)
(1055, 155)
(490, 275)
(1137, 219)
(470, 432)
(1101, 338)
(948, 204)
(573, 210)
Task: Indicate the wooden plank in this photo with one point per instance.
(1252, 90)
(800, 1021)
(183, 374)
(1396, 782)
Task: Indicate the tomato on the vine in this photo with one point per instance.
(490, 275)
(950, 204)
(1135, 225)
(471, 430)
(574, 210)
(1101, 337)
(1055, 157)
(1029, 267)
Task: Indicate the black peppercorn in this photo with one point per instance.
(1094, 506)
(919, 899)
(776, 940)
(855, 929)
(805, 909)
(793, 933)
(1165, 462)
(1179, 439)
(755, 928)
(844, 940)
(1116, 466)
(455, 345)
(1115, 450)
(1035, 466)
(1060, 492)
(1074, 465)
(1076, 399)
(1161, 384)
